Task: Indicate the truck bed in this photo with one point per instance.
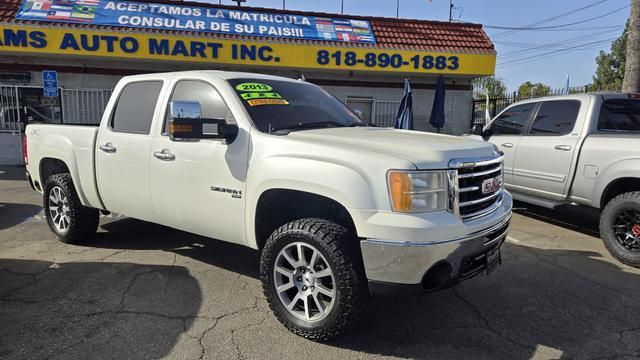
(75, 145)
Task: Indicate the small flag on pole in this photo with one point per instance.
(566, 86)
(487, 113)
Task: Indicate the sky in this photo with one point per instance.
(526, 55)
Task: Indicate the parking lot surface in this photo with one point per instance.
(144, 291)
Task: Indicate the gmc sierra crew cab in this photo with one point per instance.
(339, 210)
(579, 149)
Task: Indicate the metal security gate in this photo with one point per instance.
(84, 106)
(9, 106)
(384, 113)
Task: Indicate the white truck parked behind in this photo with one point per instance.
(339, 210)
(577, 149)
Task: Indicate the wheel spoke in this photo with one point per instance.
(325, 291)
(319, 303)
(294, 301)
(285, 287)
(286, 272)
(52, 198)
(323, 273)
(307, 312)
(301, 259)
(314, 258)
(288, 257)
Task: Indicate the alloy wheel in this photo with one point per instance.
(626, 228)
(304, 282)
(59, 209)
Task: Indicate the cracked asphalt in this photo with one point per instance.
(144, 291)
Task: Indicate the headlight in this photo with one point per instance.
(417, 191)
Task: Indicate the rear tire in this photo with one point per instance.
(620, 228)
(319, 294)
(68, 219)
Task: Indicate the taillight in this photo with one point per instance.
(24, 149)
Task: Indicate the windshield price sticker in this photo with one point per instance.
(384, 60)
(258, 102)
(253, 87)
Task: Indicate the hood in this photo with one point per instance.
(425, 150)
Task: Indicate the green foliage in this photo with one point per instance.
(610, 69)
(528, 89)
(495, 86)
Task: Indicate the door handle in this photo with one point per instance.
(165, 155)
(563, 147)
(108, 148)
(507, 145)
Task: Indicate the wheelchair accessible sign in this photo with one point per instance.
(50, 83)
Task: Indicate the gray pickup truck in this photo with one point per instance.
(581, 149)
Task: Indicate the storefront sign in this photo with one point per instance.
(78, 42)
(192, 18)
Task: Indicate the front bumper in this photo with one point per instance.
(394, 266)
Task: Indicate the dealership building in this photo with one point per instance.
(85, 46)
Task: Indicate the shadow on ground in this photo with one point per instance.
(585, 220)
(93, 310)
(541, 302)
(13, 214)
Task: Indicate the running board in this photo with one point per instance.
(549, 204)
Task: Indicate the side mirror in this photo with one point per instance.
(186, 123)
(486, 134)
(476, 129)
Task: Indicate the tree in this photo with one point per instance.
(611, 66)
(528, 89)
(631, 82)
(491, 84)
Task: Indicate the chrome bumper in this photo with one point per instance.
(409, 262)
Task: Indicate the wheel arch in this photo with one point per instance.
(278, 206)
(617, 187)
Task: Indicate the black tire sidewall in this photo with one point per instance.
(293, 236)
(625, 201)
(83, 221)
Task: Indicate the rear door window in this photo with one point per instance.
(135, 107)
(555, 117)
(620, 115)
(512, 120)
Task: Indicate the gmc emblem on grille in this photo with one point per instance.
(492, 185)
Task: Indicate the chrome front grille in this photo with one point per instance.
(466, 178)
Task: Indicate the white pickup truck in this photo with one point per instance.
(577, 149)
(338, 209)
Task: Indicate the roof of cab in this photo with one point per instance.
(225, 75)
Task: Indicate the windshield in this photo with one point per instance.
(283, 106)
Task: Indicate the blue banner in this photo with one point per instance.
(201, 19)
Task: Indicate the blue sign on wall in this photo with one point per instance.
(50, 82)
(194, 18)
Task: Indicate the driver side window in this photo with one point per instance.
(211, 103)
(513, 120)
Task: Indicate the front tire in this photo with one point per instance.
(620, 228)
(313, 278)
(70, 221)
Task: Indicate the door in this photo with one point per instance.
(545, 154)
(362, 107)
(199, 186)
(124, 148)
(506, 132)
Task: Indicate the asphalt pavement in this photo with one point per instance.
(143, 291)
